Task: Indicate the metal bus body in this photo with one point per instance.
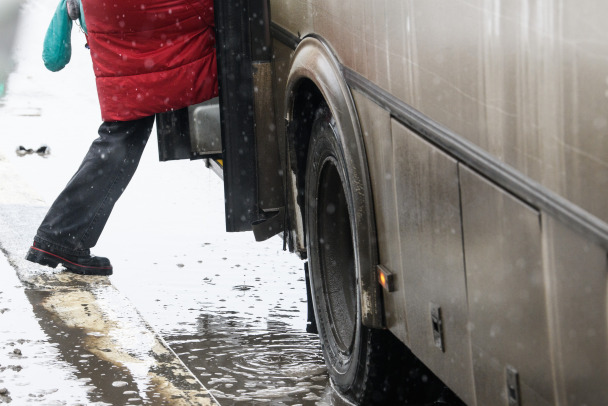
(476, 135)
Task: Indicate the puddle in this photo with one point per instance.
(237, 321)
(241, 363)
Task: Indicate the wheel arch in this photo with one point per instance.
(315, 75)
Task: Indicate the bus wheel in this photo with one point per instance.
(367, 366)
(334, 264)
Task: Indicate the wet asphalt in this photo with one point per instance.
(191, 316)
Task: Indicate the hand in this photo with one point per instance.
(73, 7)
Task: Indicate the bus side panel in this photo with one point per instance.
(507, 296)
(280, 70)
(577, 272)
(280, 67)
(376, 129)
(270, 180)
(521, 80)
(433, 277)
(281, 63)
(295, 16)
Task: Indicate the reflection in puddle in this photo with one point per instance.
(235, 311)
(240, 363)
(236, 314)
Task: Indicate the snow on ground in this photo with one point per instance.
(41, 107)
(24, 346)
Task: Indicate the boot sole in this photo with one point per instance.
(53, 260)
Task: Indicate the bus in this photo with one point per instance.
(442, 168)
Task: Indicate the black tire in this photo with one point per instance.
(334, 264)
(367, 366)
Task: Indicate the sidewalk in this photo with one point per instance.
(72, 341)
(68, 339)
(65, 339)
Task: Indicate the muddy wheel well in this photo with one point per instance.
(307, 100)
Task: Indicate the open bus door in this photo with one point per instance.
(253, 187)
(237, 113)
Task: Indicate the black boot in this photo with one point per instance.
(83, 265)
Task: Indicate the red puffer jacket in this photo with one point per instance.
(151, 56)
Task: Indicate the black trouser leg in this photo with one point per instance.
(76, 219)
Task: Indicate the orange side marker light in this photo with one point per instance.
(386, 278)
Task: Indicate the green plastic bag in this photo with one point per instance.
(57, 47)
